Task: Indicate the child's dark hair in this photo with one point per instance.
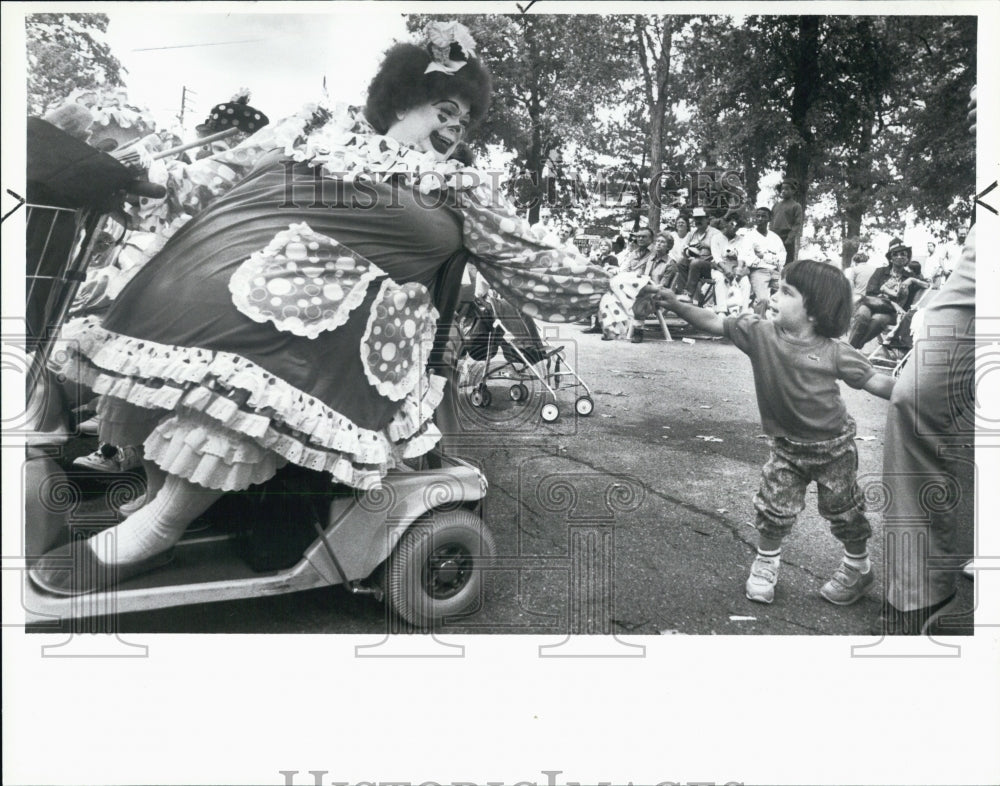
(401, 84)
(826, 295)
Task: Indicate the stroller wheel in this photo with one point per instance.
(436, 570)
(480, 396)
(550, 413)
(584, 405)
(518, 392)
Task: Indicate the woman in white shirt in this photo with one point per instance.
(679, 235)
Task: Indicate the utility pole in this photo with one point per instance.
(186, 93)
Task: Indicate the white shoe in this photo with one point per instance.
(763, 577)
(684, 298)
(123, 460)
(90, 426)
(969, 569)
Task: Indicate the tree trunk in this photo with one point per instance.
(806, 82)
(534, 165)
(534, 159)
(655, 165)
(751, 183)
(859, 178)
(657, 89)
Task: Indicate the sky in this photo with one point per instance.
(282, 58)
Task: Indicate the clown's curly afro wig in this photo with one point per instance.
(401, 84)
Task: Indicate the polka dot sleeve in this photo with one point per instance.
(544, 280)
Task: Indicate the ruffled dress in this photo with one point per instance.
(291, 320)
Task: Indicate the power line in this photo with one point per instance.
(189, 46)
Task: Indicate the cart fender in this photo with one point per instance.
(363, 528)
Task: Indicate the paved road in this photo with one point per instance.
(634, 520)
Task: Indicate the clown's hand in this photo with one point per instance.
(653, 296)
(667, 299)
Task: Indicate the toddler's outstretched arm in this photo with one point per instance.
(880, 385)
(701, 318)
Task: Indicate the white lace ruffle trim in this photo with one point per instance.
(225, 397)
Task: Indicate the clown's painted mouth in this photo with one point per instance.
(440, 143)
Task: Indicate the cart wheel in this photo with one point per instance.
(584, 405)
(480, 396)
(518, 392)
(436, 571)
(550, 413)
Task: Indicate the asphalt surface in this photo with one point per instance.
(634, 520)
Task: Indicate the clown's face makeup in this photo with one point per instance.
(435, 128)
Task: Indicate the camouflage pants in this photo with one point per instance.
(789, 470)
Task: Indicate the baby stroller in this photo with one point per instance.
(423, 552)
(896, 342)
(895, 345)
(489, 324)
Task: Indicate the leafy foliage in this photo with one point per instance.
(65, 52)
(542, 65)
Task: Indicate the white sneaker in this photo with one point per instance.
(763, 577)
(123, 460)
(89, 426)
(684, 298)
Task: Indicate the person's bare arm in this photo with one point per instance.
(701, 318)
(880, 385)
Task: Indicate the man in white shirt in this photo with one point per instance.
(939, 264)
(705, 256)
(634, 259)
(765, 253)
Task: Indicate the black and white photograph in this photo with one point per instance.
(487, 392)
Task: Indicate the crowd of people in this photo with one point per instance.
(732, 264)
(259, 328)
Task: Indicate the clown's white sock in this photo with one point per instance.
(154, 478)
(158, 524)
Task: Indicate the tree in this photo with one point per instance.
(936, 154)
(64, 53)
(738, 122)
(548, 73)
(653, 41)
(867, 110)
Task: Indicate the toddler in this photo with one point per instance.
(797, 360)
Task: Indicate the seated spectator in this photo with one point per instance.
(608, 257)
(603, 257)
(859, 272)
(704, 252)
(634, 259)
(682, 227)
(566, 234)
(765, 253)
(735, 295)
(638, 260)
(890, 292)
(660, 267)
